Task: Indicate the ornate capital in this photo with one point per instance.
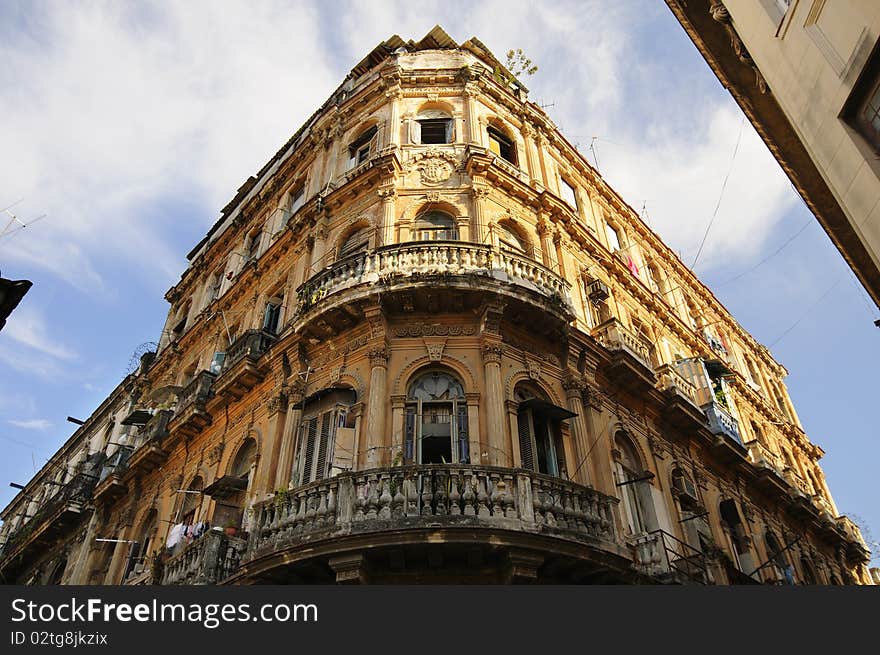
(379, 356)
(277, 403)
(491, 320)
(387, 193)
(479, 192)
(491, 353)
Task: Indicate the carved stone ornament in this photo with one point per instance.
(657, 446)
(434, 331)
(434, 170)
(277, 403)
(435, 350)
(534, 368)
(379, 356)
(336, 375)
(433, 196)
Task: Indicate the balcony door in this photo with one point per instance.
(436, 420)
(539, 427)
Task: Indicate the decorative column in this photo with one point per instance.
(548, 251)
(574, 386)
(268, 470)
(121, 552)
(395, 95)
(532, 165)
(287, 449)
(474, 445)
(480, 228)
(540, 142)
(388, 194)
(475, 134)
(379, 354)
(491, 350)
(398, 407)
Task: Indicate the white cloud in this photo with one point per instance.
(114, 108)
(28, 327)
(31, 424)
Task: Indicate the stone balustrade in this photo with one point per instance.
(252, 343)
(668, 378)
(615, 336)
(763, 456)
(721, 422)
(196, 392)
(208, 559)
(432, 258)
(454, 495)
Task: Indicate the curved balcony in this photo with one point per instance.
(499, 516)
(452, 265)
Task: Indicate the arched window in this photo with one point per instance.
(539, 428)
(784, 574)
(435, 226)
(355, 243)
(144, 545)
(432, 126)
(436, 423)
(501, 144)
(192, 501)
(509, 239)
(633, 482)
(326, 437)
(808, 572)
(58, 573)
(735, 533)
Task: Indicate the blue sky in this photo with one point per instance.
(130, 126)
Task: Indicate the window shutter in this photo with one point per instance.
(449, 127)
(410, 435)
(526, 450)
(309, 455)
(415, 132)
(323, 445)
(463, 446)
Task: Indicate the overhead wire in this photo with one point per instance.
(721, 194)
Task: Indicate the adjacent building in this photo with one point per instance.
(807, 75)
(428, 343)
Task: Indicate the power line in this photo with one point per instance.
(768, 257)
(720, 195)
(806, 312)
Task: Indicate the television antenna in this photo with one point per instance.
(14, 225)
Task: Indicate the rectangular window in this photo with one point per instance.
(613, 238)
(272, 316)
(501, 145)
(862, 109)
(436, 130)
(297, 197)
(361, 148)
(568, 193)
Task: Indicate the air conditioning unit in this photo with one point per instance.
(598, 290)
(685, 487)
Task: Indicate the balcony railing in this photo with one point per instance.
(763, 456)
(154, 431)
(252, 343)
(71, 498)
(432, 258)
(209, 559)
(464, 495)
(196, 392)
(721, 422)
(663, 556)
(116, 463)
(616, 337)
(669, 379)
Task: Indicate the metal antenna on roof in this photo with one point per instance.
(8, 229)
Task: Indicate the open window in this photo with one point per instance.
(778, 561)
(297, 198)
(435, 226)
(362, 147)
(568, 193)
(735, 533)
(633, 483)
(613, 237)
(539, 428)
(436, 420)
(230, 491)
(325, 445)
(252, 248)
(501, 144)
(432, 126)
(272, 314)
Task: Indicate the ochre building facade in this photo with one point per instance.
(428, 343)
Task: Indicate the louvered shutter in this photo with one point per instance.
(526, 448)
(309, 454)
(410, 436)
(323, 445)
(463, 445)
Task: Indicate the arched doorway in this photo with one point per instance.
(436, 430)
(230, 491)
(539, 429)
(634, 484)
